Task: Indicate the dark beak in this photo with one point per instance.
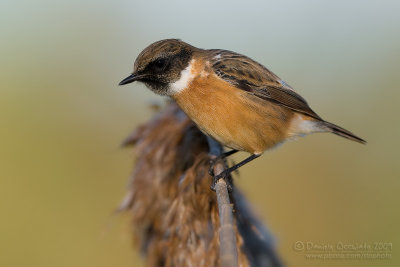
(130, 79)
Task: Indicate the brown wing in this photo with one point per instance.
(248, 75)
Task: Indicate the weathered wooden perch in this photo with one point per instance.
(175, 215)
(227, 238)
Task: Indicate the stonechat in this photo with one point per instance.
(230, 97)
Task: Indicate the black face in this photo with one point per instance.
(155, 72)
(163, 70)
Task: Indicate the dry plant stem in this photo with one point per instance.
(227, 237)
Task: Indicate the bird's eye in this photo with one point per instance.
(160, 63)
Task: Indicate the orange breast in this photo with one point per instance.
(233, 116)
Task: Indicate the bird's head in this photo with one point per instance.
(160, 64)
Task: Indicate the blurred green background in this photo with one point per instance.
(63, 117)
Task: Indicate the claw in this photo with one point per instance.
(228, 180)
(211, 169)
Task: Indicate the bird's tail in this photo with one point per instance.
(330, 127)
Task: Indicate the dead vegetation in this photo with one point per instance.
(174, 213)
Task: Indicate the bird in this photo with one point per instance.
(230, 97)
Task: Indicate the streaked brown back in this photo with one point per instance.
(251, 76)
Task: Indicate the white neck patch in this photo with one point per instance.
(184, 81)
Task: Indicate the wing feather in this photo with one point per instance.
(247, 74)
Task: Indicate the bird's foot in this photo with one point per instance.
(212, 164)
(223, 175)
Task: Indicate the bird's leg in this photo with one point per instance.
(231, 152)
(225, 173)
(223, 156)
